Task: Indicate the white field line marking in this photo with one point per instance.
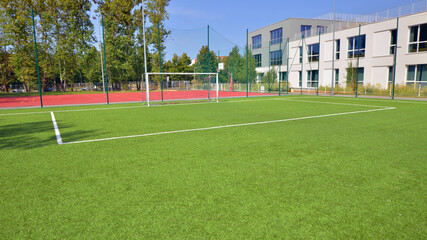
(113, 108)
(374, 100)
(55, 126)
(183, 104)
(336, 103)
(228, 126)
(76, 110)
(283, 97)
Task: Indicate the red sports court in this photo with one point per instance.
(99, 98)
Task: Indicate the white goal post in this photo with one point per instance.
(175, 73)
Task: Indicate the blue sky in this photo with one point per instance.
(231, 18)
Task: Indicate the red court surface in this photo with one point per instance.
(99, 98)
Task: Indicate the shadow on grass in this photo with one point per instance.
(36, 134)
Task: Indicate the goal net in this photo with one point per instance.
(175, 87)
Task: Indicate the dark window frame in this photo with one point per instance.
(255, 42)
(276, 36)
(353, 46)
(276, 58)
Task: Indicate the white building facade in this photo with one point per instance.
(307, 59)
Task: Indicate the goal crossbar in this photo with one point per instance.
(171, 73)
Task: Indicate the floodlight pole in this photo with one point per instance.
(147, 91)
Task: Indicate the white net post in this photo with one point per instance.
(217, 88)
(147, 89)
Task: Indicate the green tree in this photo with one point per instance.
(92, 71)
(241, 67)
(5, 55)
(157, 14)
(203, 64)
(45, 19)
(123, 36)
(72, 32)
(18, 29)
(120, 27)
(351, 75)
(207, 62)
(251, 65)
(179, 64)
(234, 63)
(270, 76)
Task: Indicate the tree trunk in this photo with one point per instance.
(25, 87)
(64, 80)
(20, 65)
(138, 85)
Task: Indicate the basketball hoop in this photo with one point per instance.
(220, 66)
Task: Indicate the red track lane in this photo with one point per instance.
(97, 98)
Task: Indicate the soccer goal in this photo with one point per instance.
(181, 86)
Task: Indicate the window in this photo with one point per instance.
(410, 76)
(257, 58)
(337, 77)
(416, 73)
(360, 73)
(256, 42)
(300, 54)
(390, 74)
(337, 49)
(418, 38)
(276, 36)
(259, 76)
(276, 57)
(300, 79)
(306, 30)
(356, 46)
(321, 29)
(312, 78)
(283, 76)
(313, 52)
(393, 40)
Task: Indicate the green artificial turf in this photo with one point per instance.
(353, 176)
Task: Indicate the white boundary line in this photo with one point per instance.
(283, 97)
(225, 126)
(55, 126)
(114, 108)
(335, 103)
(374, 100)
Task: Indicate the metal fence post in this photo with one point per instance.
(105, 60)
(37, 58)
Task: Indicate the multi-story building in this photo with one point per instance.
(303, 49)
